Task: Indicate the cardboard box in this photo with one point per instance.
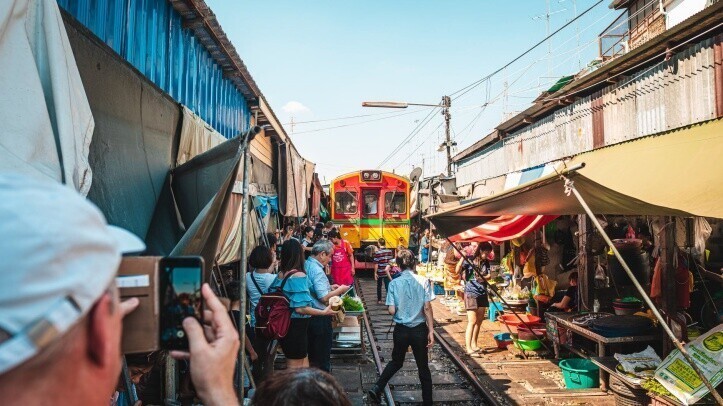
(138, 277)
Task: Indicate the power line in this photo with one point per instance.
(473, 85)
(406, 139)
(358, 123)
(352, 117)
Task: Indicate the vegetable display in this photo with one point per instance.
(352, 304)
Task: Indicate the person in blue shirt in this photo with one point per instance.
(298, 290)
(409, 300)
(320, 333)
(258, 282)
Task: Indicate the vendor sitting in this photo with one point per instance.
(569, 301)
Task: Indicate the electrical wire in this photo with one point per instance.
(326, 120)
(357, 123)
(474, 84)
(406, 139)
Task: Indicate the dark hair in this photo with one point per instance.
(484, 247)
(406, 259)
(145, 359)
(261, 257)
(328, 224)
(232, 290)
(271, 238)
(292, 256)
(382, 242)
(307, 229)
(572, 276)
(300, 387)
(333, 234)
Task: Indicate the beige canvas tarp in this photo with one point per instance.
(678, 173)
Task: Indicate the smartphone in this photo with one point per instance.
(180, 297)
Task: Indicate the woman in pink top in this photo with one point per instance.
(342, 261)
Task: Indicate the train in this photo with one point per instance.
(361, 219)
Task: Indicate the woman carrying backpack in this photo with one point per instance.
(258, 282)
(295, 286)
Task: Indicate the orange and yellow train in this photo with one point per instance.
(367, 205)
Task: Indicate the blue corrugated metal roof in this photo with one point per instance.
(149, 35)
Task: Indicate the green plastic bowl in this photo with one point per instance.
(528, 345)
(580, 373)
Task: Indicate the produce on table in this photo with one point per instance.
(352, 304)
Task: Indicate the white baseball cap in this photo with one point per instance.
(58, 258)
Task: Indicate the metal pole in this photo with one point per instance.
(447, 103)
(570, 188)
(244, 265)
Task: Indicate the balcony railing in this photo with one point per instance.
(614, 39)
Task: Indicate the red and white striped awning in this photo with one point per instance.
(503, 228)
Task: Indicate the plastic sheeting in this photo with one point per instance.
(197, 137)
(47, 122)
(295, 179)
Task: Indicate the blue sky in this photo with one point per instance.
(318, 60)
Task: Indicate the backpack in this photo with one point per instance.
(273, 314)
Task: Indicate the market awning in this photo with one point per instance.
(503, 228)
(676, 174)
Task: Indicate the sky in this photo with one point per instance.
(317, 61)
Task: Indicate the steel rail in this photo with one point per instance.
(487, 394)
(375, 351)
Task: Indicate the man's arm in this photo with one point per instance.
(392, 309)
(376, 268)
(429, 315)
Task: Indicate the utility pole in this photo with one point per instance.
(447, 103)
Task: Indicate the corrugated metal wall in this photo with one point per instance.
(149, 35)
(668, 95)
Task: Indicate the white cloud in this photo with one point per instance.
(294, 107)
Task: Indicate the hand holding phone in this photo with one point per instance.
(181, 279)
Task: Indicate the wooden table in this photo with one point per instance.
(565, 320)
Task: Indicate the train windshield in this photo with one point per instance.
(395, 203)
(345, 202)
(371, 203)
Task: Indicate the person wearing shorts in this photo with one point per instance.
(475, 269)
(298, 290)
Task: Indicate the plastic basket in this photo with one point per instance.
(580, 373)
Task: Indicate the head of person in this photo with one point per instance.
(141, 364)
(261, 258)
(60, 324)
(426, 232)
(406, 259)
(572, 278)
(292, 256)
(329, 225)
(288, 230)
(334, 236)
(483, 250)
(322, 251)
(309, 232)
(231, 291)
(272, 239)
(300, 387)
(382, 242)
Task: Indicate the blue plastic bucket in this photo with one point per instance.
(580, 373)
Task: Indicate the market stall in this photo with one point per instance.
(594, 184)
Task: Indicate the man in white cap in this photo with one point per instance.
(60, 315)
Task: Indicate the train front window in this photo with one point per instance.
(345, 202)
(371, 203)
(395, 203)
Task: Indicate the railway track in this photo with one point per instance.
(453, 382)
